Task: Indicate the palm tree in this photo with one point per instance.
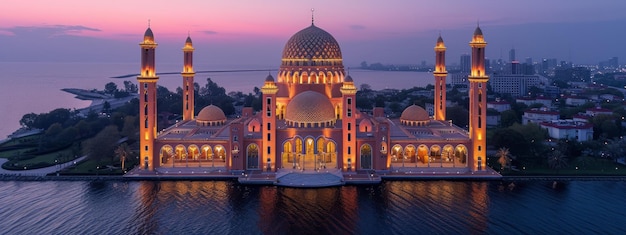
(122, 151)
(504, 158)
(557, 160)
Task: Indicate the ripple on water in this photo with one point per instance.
(394, 207)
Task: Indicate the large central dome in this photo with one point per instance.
(312, 43)
(311, 55)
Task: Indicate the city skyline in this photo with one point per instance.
(250, 33)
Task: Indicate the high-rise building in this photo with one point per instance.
(512, 55)
(465, 63)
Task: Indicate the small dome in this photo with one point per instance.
(269, 78)
(414, 113)
(188, 41)
(211, 113)
(348, 79)
(148, 36)
(310, 107)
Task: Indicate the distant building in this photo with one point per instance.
(513, 84)
(465, 63)
(538, 116)
(580, 74)
(569, 129)
(459, 79)
(512, 55)
(544, 101)
(499, 106)
(575, 100)
(598, 111)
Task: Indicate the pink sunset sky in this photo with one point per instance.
(254, 32)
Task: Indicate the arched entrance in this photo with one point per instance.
(166, 154)
(309, 155)
(422, 156)
(329, 158)
(460, 155)
(219, 156)
(252, 157)
(409, 152)
(366, 157)
(288, 157)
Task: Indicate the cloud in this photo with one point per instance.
(47, 30)
(209, 32)
(356, 27)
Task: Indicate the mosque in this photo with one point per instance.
(309, 122)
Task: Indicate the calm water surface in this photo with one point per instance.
(394, 207)
(36, 87)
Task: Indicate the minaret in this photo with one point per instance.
(440, 80)
(147, 101)
(269, 91)
(478, 102)
(188, 74)
(348, 92)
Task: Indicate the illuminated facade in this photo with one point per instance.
(309, 120)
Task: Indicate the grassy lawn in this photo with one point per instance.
(581, 166)
(22, 140)
(49, 158)
(90, 167)
(15, 152)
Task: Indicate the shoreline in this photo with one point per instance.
(121, 178)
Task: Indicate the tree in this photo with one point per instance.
(106, 107)
(101, 146)
(130, 87)
(510, 139)
(110, 88)
(504, 158)
(365, 87)
(122, 151)
(508, 118)
(557, 160)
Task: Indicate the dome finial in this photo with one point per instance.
(148, 23)
(312, 16)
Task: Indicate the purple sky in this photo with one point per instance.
(253, 33)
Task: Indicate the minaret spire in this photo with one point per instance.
(440, 79)
(478, 79)
(188, 76)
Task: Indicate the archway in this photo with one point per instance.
(460, 155)
(447, 156)
(330, 158)
(366, 157)
(252, 156)
(396, 156)
(219, 156)
(166, 154)
(288, 156)
(435, 155)
(422, 156)
(309, 155)
(410, 155)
